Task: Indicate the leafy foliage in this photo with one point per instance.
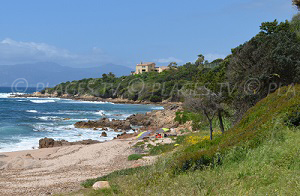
(260, 66)
(297, 3)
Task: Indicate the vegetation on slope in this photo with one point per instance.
(257, 156)
(268, 61)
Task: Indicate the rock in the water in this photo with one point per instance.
(101, 185)
(103, 134)
(67, 119)
(104, 122)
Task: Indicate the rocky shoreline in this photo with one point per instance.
(150, 121)
(89, 98)
(78, 161)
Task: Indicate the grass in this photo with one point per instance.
(133, 157)
(258, 156)
(89, 183)
(272, 168)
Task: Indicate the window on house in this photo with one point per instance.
(143, 70)
(143, 66)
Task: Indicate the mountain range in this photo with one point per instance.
(50, 74)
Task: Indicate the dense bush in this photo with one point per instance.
(155, 98)
(260, 66)
(293, 116)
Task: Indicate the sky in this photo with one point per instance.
(91, 33)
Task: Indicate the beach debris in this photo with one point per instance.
(143, 135)
(101, 185)
(29, 156)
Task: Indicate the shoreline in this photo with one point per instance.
(62, 169)
(97, 99)
(93, 98)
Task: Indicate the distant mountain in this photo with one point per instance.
(51, 74)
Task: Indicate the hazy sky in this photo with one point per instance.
(82, 33)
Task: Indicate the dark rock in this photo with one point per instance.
(3, 155)
(49, 143)
(103, 134)
(137, 119)
(104, 122)
(46, 143)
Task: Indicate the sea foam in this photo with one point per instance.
(42, 101)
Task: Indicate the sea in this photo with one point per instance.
(23, 121)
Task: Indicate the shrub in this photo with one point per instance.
(155, 98)
(133, 157)
(293, 116)
(159, 149)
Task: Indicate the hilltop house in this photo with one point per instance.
(148, 67)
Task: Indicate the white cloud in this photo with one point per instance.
(168, 60)
(210, 57)
(14, 52)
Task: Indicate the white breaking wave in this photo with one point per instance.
(31, 111)
(100, 112)
(42, 101)
(157, 108)
(91, 102)
(26, 143)
(52, 118)
(5, 95)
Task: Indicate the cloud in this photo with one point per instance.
(210, 57)
(168, 60)
(14, 52)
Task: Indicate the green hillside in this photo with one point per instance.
(258, 156)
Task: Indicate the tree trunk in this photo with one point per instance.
(221, 121)
(211, 129)
(210, 124)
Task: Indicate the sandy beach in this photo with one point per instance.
(61, 169)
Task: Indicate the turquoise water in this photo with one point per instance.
(23, 121)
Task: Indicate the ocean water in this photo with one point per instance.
(23, 121)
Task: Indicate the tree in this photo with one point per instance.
(297, 3)
(209, 104)
(263, 64)
(200, 60)
(172, 65)
(268, 28)
(110, 74)
(295, 24)
(104, 77)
